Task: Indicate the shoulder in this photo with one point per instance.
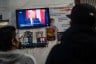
(28, 19)
(27, 59)
(24, 58)
(53, 54)
(55, 49)
(36, 19)
(56, 46)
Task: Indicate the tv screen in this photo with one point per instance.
(29, 18)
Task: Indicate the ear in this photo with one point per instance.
(13, 42)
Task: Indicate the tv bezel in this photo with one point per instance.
(31, 27)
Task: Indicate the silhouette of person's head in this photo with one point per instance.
(31, 14)
(51, 21)
(8, 38)
(83, 14)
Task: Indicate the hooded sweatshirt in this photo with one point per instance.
(13, 57)
(78, 46)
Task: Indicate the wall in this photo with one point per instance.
(36, 3)
(9, 6)
(7, 9)
(3, 9)
(25, 4)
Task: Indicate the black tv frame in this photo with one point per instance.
(32, 27)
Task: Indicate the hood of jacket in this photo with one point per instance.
(9, 57)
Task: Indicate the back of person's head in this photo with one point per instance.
(7, 33)
(83, 14)
(51, 21)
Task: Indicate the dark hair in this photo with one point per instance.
(83, 14)
(6, 35)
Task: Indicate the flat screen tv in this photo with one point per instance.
(31, 18)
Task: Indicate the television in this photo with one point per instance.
(31, 18)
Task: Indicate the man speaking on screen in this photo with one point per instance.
(32, 20)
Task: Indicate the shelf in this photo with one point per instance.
(33, 45)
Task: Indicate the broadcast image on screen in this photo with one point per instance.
(32, 18)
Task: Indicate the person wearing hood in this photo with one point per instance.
(78, 43)
(8, 48)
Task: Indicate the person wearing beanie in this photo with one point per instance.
(78, 43)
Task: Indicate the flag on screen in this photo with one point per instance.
(40, 13)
